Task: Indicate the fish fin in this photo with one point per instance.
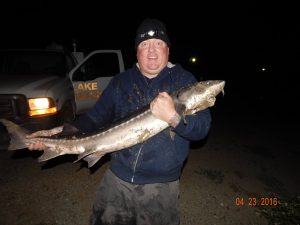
(80, 156)
(172, 134)
(179, 107)
(184, 120)
(69, 129)
(49, 153)
(144, 136)
(92, 159)
(17, 135)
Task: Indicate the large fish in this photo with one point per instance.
(131, 131)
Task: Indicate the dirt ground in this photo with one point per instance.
(244, 173)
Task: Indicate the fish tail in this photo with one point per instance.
(17, 135)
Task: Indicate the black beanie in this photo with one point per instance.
(151, 28)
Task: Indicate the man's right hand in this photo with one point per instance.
(40, 146)
(42, 133)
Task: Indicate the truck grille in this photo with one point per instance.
(13, 107)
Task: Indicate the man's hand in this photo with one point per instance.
(42, 133)
(40, 146)
(163, 108)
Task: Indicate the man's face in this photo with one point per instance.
(152, 56)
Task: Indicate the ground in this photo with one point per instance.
(250, 158)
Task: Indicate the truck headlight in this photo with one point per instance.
(41, 106)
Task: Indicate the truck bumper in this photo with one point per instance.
(41, 123)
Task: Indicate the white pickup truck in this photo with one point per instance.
(42, 88)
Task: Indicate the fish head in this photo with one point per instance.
(200, 95)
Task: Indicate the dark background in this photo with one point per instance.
(233, 40)
(253, 143)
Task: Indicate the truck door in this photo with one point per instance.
(92, 75)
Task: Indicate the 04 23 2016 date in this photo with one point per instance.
(257, 201)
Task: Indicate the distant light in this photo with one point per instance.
(193, 59)
(263, 69)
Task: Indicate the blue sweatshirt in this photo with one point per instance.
(159, 159)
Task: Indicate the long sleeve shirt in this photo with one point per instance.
(160, 158)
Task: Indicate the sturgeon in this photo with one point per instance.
(131, 131)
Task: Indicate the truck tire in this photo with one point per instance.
(67, 113)
(4, 138)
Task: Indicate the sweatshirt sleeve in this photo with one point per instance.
(195, 127)
(100, 115)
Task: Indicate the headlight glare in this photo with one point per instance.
(41, 106)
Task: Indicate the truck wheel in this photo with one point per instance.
(4, 138)
(67, 113)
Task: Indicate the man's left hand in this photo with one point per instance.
(163, 107)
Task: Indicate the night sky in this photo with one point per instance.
(252, 44)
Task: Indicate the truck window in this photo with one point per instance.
(32, 63)
(98, 65)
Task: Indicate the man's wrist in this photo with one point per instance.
(174, 120)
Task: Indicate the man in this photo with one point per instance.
(141, 185)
